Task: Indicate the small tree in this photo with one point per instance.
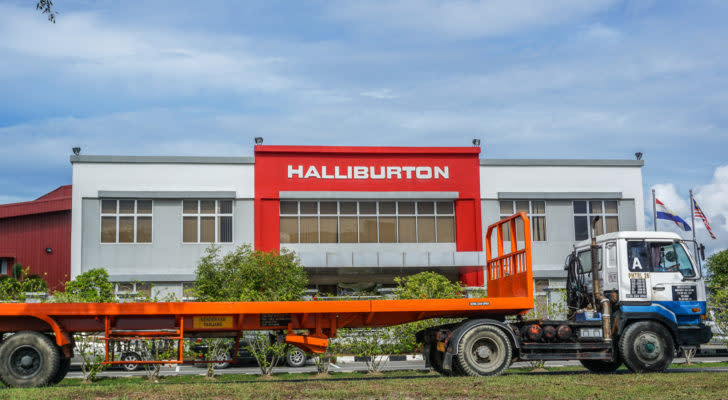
(717, 266)
(19, 283)
(92, 286)
(245, 274)
(424, 285)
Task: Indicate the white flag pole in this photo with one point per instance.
(692, 215)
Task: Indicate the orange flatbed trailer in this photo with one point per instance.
(509, 284)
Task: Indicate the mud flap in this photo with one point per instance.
(447, 361)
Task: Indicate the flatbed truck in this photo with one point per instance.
(630, 311)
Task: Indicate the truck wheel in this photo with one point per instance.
(646, 346)
(28, 359)
(601, 366)
(296, 358)
(63, 368)
(132, 357)
(484, 350)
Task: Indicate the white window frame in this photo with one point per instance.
(118, 215)
(589, 214)
(216, 215)
(529, 214)
(377, 214)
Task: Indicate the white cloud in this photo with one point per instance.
(83, 48)
(463, 18)
(712, 198)
(380, 94)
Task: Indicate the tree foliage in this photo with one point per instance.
(15, 286)
(92, 286)
(249, 275)
(717, 266)
(246, 274)
(427, 285)
(46, 7)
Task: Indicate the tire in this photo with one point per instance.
(63, 368)
(601, 366)
(130, 356)
(29, 359)
(296, 358)
(223, 355)
(646, 346)
(483, 351)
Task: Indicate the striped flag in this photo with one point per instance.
(698, 212)
(663, 212)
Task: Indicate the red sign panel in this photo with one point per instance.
(369, 169)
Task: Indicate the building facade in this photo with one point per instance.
(357, 216)
(37, 235)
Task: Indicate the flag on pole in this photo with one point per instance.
(699, 214)
(665, 213)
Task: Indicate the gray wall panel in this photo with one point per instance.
(166, 254)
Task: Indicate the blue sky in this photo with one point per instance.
(532, 79)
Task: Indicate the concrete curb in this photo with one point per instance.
(402, 357)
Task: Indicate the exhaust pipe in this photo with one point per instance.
(599, 297)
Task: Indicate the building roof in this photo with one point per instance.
(545, 162)
(160, 160)
(54, 201)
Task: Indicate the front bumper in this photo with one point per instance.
(693, 335)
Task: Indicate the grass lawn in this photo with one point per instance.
(516, 384)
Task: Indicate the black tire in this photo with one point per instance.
(130, 356)
(601, 366)
(28, 359)
(483, 351)
(63, 368)
(296, 358)
(646, 346)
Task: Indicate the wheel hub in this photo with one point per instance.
(25, 361)
(483, 352)
(648, 347)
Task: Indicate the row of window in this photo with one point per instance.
(585, 211)
(130, 221)
(367, 222)
(211, 221)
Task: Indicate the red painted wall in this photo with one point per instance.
(271, 177)
(24, 239)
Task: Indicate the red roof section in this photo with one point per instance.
(55, 201)
(366, 149)
(63, 191)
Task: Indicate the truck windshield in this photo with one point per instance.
(671, 257)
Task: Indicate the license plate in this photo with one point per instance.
(213, 322)
(441, 346)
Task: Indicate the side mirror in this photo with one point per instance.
(701, 249)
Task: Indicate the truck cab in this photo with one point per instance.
(650, 279)
(651, 274)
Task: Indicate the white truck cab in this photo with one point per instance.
(651, 275)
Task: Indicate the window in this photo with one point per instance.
(586, 261)
(126, 221)
(367, 222)
(585, 212)
(536, 211)
(659, 257)
(207, 221)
